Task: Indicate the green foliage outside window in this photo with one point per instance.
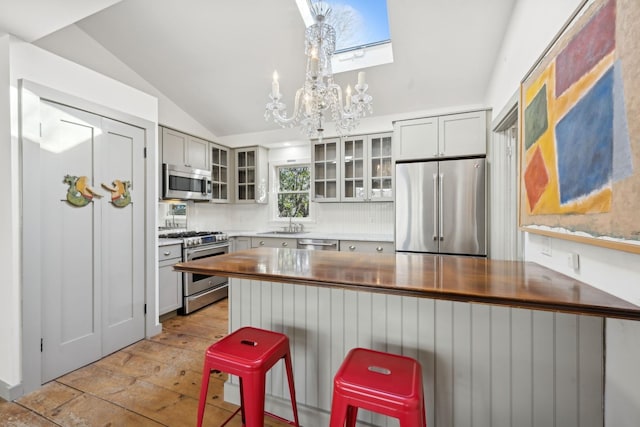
(293, 191)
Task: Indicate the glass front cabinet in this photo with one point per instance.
(251, 175)
(353, 169)
(220, 164)
(367, 168)
(326, 180)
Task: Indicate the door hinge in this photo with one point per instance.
(145, 309)
(41, 344)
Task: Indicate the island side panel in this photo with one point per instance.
(493, 365)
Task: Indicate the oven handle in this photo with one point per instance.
(192, 252)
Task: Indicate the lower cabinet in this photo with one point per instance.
(170, 281)
(273, 242)
(239, 243)
(366, 246)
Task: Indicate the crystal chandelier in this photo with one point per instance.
(320, 99)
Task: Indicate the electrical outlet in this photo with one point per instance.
(546, 246)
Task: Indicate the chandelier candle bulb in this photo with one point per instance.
(361, 78)
(275, 86)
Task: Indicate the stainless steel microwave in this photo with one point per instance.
(179, 182)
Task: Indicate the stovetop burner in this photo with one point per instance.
(196, 238)
(183, 234)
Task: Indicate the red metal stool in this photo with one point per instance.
(385, 383)
(249, 353)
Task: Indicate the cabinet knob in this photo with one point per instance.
(261, 242)
(284, 244)
(167, 253)
(379, 249)
(352, 248)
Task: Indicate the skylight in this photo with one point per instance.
(362, 32)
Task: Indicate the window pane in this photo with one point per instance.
(293, 205)
(294, 178)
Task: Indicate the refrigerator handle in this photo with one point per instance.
(441, 216)
(435, 206)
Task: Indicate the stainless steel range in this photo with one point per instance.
(199, 290)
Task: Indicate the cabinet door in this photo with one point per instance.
(354, 169)
(173, 147)
(325, 170)
(252, 175)
(219, 174)
(380, 167)
(463, 134)
(169, 287)
(362, 246)
(239, 243)
(245, 175)
(416, 139)
(197, 155)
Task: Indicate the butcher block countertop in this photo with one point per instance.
(456, 278)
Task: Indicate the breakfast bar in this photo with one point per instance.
(500, 342)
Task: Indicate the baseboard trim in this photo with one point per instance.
(10, 393)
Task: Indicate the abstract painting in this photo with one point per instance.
(580, 144)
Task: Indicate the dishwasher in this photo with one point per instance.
(318, 244)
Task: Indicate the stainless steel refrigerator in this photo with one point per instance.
(440, 207)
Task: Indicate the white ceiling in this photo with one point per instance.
(214, 59)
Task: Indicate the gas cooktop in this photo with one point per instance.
(196, 238)
(183, 234)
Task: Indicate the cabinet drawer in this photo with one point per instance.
(273, 242)
(363, 246)
(169, 252)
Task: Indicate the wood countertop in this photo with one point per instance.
(456, 278)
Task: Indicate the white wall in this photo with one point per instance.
(21, 60)
(76, 45)
(533, 26)
(9, 267)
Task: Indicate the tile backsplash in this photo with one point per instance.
(371, 217)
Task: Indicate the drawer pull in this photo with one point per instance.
(261, 242)
(352, 248)
(379, 249)
(285, 243)
(167, 253)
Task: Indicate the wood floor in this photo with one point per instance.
(154, 382)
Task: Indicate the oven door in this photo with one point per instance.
(194, 283)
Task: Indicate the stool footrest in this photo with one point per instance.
(231, 417)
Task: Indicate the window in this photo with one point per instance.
(293, 192)
(362, 32)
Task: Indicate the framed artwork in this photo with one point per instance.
(580, 130)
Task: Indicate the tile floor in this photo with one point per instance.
(154, 382)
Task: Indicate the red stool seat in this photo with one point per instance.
(380, 382)
(249, 353)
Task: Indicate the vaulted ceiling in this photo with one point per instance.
(214, 59)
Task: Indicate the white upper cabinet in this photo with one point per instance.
(252, 175)
(353, 169)
(325, 170)
(182, 149)
(367, 168)
(452, 135)
(220, 166)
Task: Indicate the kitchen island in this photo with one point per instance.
(501, 343)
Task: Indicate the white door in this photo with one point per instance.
(121, 158)
(91, 252)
